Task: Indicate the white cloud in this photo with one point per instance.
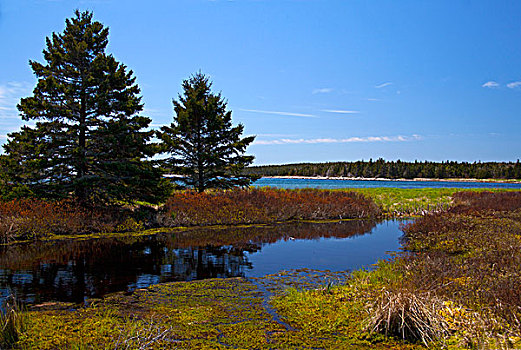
(490, 84)
(514, 84)
(10, 94)
(157, 125)
(340, 111)
(398, 138)
(322, 91)
(279, 113)
(379, 86)
(373, 99)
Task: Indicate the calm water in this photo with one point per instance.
(331, 184)
(76, 270)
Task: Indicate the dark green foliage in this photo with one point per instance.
(395, 170)
(202, 144)
(88, 141)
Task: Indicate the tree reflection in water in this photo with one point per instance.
(72, 270)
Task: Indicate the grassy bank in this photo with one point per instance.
(404, 202)
(400, 202)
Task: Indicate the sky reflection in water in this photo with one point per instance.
(76, 270)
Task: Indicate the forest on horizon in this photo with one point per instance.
(394, 169)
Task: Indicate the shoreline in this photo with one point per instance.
(387, 179)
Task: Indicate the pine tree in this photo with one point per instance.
(88, 140)
(202, 144)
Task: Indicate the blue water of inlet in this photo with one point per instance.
(335, 183)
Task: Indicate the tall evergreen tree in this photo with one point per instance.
(89, 140)
(202, 144)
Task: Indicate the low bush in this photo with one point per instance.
(35, 218)
(247, 206)
(467, 201)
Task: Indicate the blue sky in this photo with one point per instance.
(315, 80)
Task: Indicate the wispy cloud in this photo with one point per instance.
(10, 94)
(154, 112)
(514, 84)
(322, 91)
(373, 99)
(340, 111)
(379, 86)
(398, 138)
(490, 84)
(276, 135)
(290, 114)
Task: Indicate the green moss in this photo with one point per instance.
(217, 314)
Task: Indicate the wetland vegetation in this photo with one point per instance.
(455, 285)
(29, 219)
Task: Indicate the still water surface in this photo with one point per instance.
(332, 184)
(75, 270)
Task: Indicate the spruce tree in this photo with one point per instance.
(202, 145)
(88, 141)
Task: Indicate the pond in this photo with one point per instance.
(336, 183)
(72, 270)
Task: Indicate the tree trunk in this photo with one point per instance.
(82, 163)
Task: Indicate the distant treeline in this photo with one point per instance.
(395, 170)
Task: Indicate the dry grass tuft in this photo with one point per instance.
(12, 322)
(408, 315)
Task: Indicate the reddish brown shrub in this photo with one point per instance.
(465, 202)
(245, 206)
(34, 218)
